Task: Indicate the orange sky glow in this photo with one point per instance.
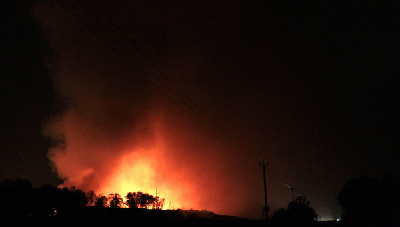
(132, 163)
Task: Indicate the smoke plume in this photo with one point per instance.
(120, 134)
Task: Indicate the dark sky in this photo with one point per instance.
(310, 87)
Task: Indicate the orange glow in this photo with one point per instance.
(159, 152)
(121, 168)
(138, 171)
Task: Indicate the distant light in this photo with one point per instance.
(338, 219)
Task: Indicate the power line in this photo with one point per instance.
(191, 105)
(163, 83)
(218, 135)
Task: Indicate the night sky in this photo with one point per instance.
(311, 87)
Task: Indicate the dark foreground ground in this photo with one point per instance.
(138, 217)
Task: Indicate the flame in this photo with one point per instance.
(139, 170)
(154, 154)
(144, 165)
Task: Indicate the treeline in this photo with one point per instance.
(133, 200)
(18, 199)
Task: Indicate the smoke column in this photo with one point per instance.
(115, 141)
(118, 134)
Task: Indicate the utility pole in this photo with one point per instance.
(266, 208)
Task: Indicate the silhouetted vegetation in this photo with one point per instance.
(91, 197)
(371, 201)
(23, 205)
(115, 200)
(143, 200)
(298, 212)
(101, 201)
(18, 199)
(51, 201)
(131, 200)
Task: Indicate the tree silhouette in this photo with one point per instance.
(298, 211)
(91, 197)
(101, 201)
(301, 211)
(72, 200)
(115, 200)
(371, 201)
(131, 200)
(143, 200)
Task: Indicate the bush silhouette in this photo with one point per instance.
(298, 211)
(371, 201)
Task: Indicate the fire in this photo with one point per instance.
(137, 171)
(148, 170)
(154, 154)
(134, 174)
(130, 163)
